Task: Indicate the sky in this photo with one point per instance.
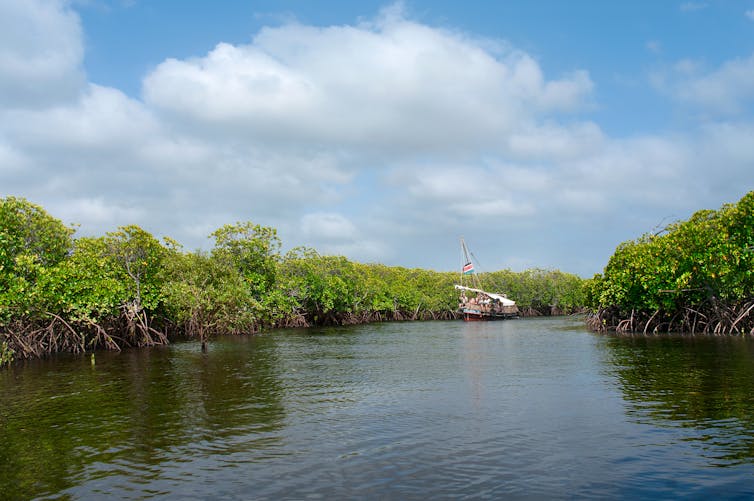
(544, 133)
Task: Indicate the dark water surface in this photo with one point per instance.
(525, 408)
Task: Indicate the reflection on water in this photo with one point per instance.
(526, 408)
(132, 415)
(704, 384)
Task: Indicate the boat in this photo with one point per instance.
(475, 304)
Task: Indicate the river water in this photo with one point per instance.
(526, 408)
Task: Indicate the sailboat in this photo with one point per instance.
(476, 304)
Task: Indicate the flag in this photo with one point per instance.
(468, 268)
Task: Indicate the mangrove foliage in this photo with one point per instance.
(696, 276)
(127, 288)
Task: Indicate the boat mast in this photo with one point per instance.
(467, 267)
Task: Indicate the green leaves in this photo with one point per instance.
(708, 256)
(26, 228)
(541, 290)
(31, 242)
(127, 287)
(140, 256)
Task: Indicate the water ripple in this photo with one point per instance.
(526, 409)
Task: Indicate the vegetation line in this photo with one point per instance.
(60, 293)
(695, 277)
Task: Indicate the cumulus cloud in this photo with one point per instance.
(99, 118)
(392, 83)
(41, 52)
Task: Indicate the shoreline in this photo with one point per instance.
(47, 341)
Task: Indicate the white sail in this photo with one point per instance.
(498, 297)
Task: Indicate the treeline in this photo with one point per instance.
(538, 292)
(696, 276)
(127, 288)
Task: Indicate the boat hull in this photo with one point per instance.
(478, 316)
(484, 306)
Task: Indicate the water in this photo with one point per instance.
(528, 408)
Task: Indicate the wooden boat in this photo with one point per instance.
(475, 304)
(483, 305)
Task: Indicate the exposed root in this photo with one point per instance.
(711, 318)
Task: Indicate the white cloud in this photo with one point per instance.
(473, 194)
(726, 150)
(230, 84)
(499, 208)
(11, 160)
(328, 226)
(723, 91)
(567, 94)
(556, 141)
(334, 233)
(596, 181)
(750, 14)
(100, 118)
(40, 61)
(93, 211)
(392, 83)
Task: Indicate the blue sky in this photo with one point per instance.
(544, 132)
